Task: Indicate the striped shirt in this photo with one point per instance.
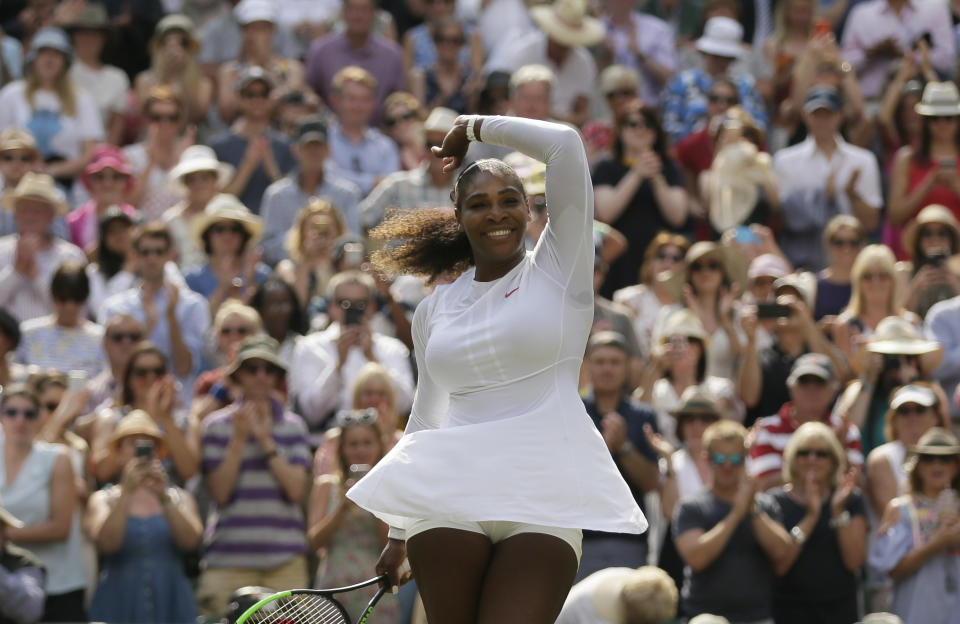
(259, 528)
(24, 297)
(774, 432)
(50, 346)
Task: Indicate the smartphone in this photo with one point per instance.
(746, 236)
(352, 255)
(76, 380)
(358, 471)
(352, 316)
(822, 27)
(144, 449)
(767, 310)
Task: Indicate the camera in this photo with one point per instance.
(144, 449)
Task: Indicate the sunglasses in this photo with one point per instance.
(239, 331)
(934, 233)
(346, 418)
(172, 119)
(255, 368)
(145, 372)
(199, 176)
(392, 121)
(852, 243)
(734, 459)
(454, 40)
(713, 265)
(878, 275)
(220, 228)
(633, 123)
(119, 337)
(25, 158)
(938, 459)
(13, 412)
(103, 176)
(818, 453)
(255, 95)
(911, 410)
(352, 304)
(618, 93)
(730, 100)
(146, 252)
(671, 257)
(811, 380)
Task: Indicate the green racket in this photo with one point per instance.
(310, 606)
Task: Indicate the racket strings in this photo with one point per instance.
(300, 609)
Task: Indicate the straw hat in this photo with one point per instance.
(940, 99)
(9, 519)
(176, 22)
(225, 207)
(137, 422)
(257, 348)
(733, 260)
(934, 213)
(198, 158)
(440, 119)
(531, 171)
(696, 400)
(37, 186)
(897, 336)
(722, 36)
(804, 282)
(17, 139)
(738, 169)
(937, 441)
(566, 22)
(684, 322)
(92, 17)
(618, 77)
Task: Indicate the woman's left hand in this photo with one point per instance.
(455, 144)
(845, 488)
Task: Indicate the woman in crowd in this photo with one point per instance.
(228, 233)
(147, 385)
(640, 191)
(158, 152)
(284, 317)
(898, 122)
(62, 117)
(918, 539)
(931, 275)
(173, 54)
(403, 118)
(352, 537)
(141, 527)
(449, 80)
(664, 255)
(197, 178)
(421, 48)
(928, 174)
(233, 323)
(109, 181)
(842, 239)
(826, 517)
(37, 486)
(309, 243)
(793, 22)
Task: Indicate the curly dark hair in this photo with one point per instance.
(429, 243)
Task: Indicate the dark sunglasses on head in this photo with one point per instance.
(730, 100)
(255, 368)
(24, 158)
(734, 459)
(220, 228)
(346, 418)
(158, 371)
(852, 243)
(942, 459)
(392, 121)
(818, 453)
(713, 265)
(13, 412)
(119, 337)
(151, 251)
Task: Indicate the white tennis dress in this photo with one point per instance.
(498, 431)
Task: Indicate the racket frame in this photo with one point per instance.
(325, 593)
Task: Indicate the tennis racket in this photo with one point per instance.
(310, 606)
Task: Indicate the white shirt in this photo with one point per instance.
(319, 389)
(27, 298)
(596, 599)
(56, 133)
(158, 196)
(577, 76)
(50, 346)
(108, 86)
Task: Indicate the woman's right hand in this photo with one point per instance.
(390, 563)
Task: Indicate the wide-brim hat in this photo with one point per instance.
(567, 22)
(440, 119)
(804, 282)
(684, 322)
(733, 260)
(17, 139)
(734, 192)
(138, 422)
(722, 36)
(9, 519)
(897, 336)
(198, 158)
(696, 400)
(937, 441)
(92, 17)
(934, 213)
(37, 186)
(225, 207)
(257, 348)
(940, 99)
(176, 22)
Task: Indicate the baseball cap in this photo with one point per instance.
(822, 97)
(249, 11)
(913, 394)
(815, 364)
(312, 129)
(254, 73)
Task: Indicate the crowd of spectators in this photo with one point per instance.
(198, 360)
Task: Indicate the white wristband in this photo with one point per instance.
(471, 122)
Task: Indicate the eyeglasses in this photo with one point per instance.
(661, 255)
(716, 98)
(172, 119)
(143, 373)
(392, 121)
(151, 251)
(875, 275)
(818, 453)
(713, 265)
(811, 380)
(633, 123)
(255, 368)
(259, 94)
(934, 233)
(25, 158)
(347, 418)
(220, 228)
(105, 176)
(852, 243)
(455, 40)
(119, 337)
(352, 304)
(941, 459)
(13, 412)
(50, 406)
(618, 93)
(239, 331)
(734, 459)
(911, 410)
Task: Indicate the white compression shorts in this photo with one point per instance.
(498, 531)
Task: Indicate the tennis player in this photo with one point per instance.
(500, 466)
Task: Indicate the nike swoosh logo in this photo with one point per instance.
(511, 292)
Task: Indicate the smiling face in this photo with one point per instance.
(492, 212)
(107, 186)
(937, 472)
(361, 445)
(49, 64)
(19, 416)
(706, 273)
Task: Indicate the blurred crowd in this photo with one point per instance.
(198, 359)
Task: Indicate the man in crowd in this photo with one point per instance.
(255, 462)
(326, 363)
(729, 536)
(122, 333)
(29, 259)
(284, 199)
(22, 578)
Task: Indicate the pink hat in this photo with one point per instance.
(768, 265)
(107, 157)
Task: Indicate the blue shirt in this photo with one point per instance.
(685, 101)
(943, 325)
(374, 156)
(203, 281)
(232, 148)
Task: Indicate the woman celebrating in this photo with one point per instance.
(403, 119)
(107, 178)
(516, 403)
(141, 527)
(930, 241)
(310, 243)
(919, 539)
(826, 519)
(449, 80)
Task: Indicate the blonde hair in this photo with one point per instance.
(372, 372)
(405, 99)
(315, 206)
(188, 83)
(724, 431)
(780, 20)
(532, 73)
(869, 256)
(353, 73)
(163, 94)
(234, 307)
(889, 419)
(64, 88)
(804, 435)
(840, 222)
(351, 277)
(649, 596)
